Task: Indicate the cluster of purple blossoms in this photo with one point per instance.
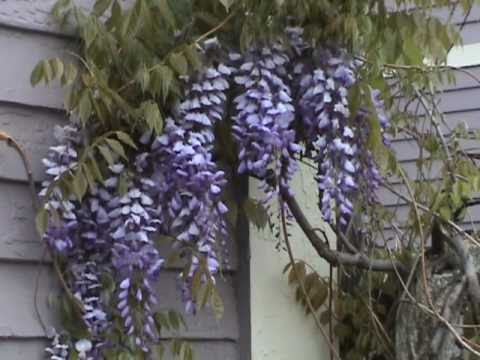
(62, 235)
(175, 188)
(176, 191)
(61, 159)
(346, 168)
(264, 117)
(87, 289)
(108, 233)
(325, 118)
(58, 349)
(133, 221)
(188, 181)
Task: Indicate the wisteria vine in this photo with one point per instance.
(284, 102)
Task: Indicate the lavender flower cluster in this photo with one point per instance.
(189, 183)
(107, 234)
(175, 190)
(347, 171)
(264, 117)
(302, 95)
(174, 186)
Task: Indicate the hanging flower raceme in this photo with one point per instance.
(58, 349)
(67, 222)
(136, 261)
(189, 193)
(346, 168)
(61, 159)
(188, 183)
(108, 233)
(263, 122)
(86, 287)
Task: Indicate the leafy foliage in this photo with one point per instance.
(172, 99)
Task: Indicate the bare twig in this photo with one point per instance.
(215, 29)
(428, 210)
(422, 242)
(435, 124)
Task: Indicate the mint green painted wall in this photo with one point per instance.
(467, 55)
(280, 329)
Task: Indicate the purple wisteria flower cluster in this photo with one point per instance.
(282, 102)
(189, 182)
(325, 117)
(107, 234)
(175, 190)
(61, 159)
(347, 171)
(302, 95)
(58, 349)
(135, 259)
(264, 117)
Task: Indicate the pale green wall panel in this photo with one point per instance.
(280, 329)
(467, 55)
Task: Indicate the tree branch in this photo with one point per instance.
(337, 258)
(459, 246)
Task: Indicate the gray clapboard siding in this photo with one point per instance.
(32, 350)
(471, 222)
(19, 240)
(32, 127)
(19, 320)
(459, 102)
(411, 171)
(449, 101)
(467, 77)
(22, 50)
(458, 16)
(470, 32)
(471, 118)
(35, 15)
(28, 14)
(391, 200)
(408, 150)
(443, 13)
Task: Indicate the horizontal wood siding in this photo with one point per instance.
(32, 128)
(18, 293)
(19, 240)
(27, 35)
(459, 102)
(22, 350)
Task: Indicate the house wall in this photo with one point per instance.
(280, 329)
(28, 35)
(459, 103)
